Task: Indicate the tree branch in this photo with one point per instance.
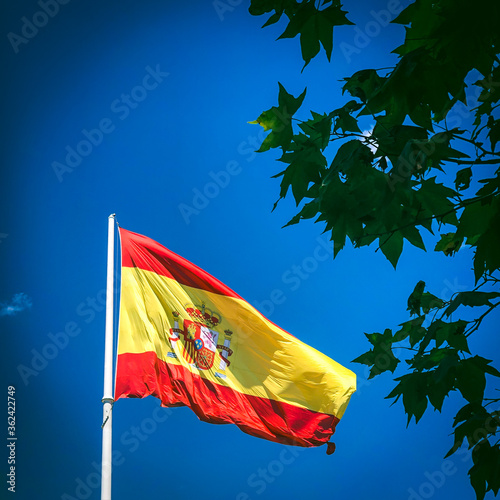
(419, 221)
(479, 320)
(475, 162)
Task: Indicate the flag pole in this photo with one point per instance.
(107, 398)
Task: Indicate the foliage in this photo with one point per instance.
(391, 183)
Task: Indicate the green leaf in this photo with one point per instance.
(329, 18)
(412, 328)
(339, 234)
(430, 301)
(485, 473)
(308, 211)
(430, 334)
(420, 300)
(309, 41)
(306, 164)
(344, 120)
(489, 95)
(413, 387)
(415, 298)
(406, 16)
(368, 358)
(427, 361)
(475, 423)
(447, 368)
(453, 333)
(471, 299)
(363, 84)
(484, 365)
(437, 392)
(487, 241)
(392, 247)
(491, 369)
(420, 153)
(494, 133)
(459, 341)
(449, 244)
(412, 234)
(491, 186)
(315, 27)
(479, 223)
(350, 154)
(380, 358)
(395, 142)
(462, 179)
(435, 198)
(259, 7)
(475, 220)
(439, 144)
(471, 380)
(273, 19)
(318, 129)
(279, 120)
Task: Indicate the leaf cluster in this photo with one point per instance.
(441, 363)
(313, 20)
(385, 185)
(423, 167)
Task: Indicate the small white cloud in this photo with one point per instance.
(18, 303)
(373, 144)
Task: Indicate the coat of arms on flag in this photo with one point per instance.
(199, 342)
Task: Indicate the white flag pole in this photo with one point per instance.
(107, 398)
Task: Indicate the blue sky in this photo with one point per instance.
(165, 90)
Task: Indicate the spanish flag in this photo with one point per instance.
(187, 339)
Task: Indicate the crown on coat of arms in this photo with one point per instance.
(201, 314)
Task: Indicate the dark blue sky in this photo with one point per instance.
(147, 104)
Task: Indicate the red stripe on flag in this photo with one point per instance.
(145, 253)
(141, 375)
